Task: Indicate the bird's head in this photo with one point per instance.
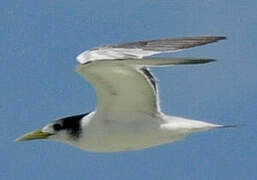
(64, 130)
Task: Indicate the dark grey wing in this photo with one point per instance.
(169, 44)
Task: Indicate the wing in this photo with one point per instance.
(122, 90)
(127, 88)
(140, 49)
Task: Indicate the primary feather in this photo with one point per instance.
(142, 49)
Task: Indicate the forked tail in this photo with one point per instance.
(231, 126)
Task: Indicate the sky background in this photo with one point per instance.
(38, 45)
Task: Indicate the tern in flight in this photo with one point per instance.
(128, 116)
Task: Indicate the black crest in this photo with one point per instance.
(72, 124)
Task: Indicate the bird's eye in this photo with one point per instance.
(57, 127)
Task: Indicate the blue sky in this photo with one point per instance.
(38, 46)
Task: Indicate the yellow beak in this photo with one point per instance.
(34, 135)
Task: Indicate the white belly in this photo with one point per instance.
(115, 137)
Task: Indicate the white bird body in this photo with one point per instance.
(128, 115)
(131, 133)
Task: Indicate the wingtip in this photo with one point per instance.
(210, 60)
(214, 38)
(211, 39)
(201, 61)
(221, 38)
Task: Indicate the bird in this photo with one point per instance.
(128, 116)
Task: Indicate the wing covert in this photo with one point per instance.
(122, 90)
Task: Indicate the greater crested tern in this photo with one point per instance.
(128, 116)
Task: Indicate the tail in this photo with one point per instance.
(231, 126)
(189, 125)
